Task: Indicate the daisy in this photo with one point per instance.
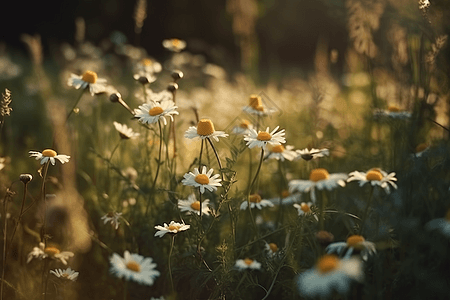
(353, 242)
(286, 198)
(88, 80)
(113, 218)
(392, 113)
(271, 249)
(67, 274)
(173, 227)
(52, 252)
(2, 162)
(204, 129)
(191, 205)
(174, 45)
(312, 154)
(256, 201)
(49, 154)
(305, 209)
(243, 127)
(134, 267)
(145, 70)
(256, 107)
(125, 132)
(248, 263)
(279, 152)
(330, 274)
(262, 138)
(376, 177)
(441, 224)
(202, 180)
(153, 112)
(421, 149)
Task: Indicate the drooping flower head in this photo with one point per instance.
(204, 129)
(90, 80)
(67, 274)
(49, 155)
(134, 267)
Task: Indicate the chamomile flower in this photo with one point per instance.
(441, 224)
(134, 267)
(67, 274)
(330, 274)
(247, 263)
(202, 180)
(243, 127)
(153, 112)
(286, 198)
(174, 45)
(204, 129)
(51, 252)
(262, 138)
(192, 205)
(354, 242)
(375, 177)
(307, 154)
(256, 202)
(271, 250)
(304, 209)
(392, 113)
(125, 132)
(256, 107)
(49, 155)
(113, 218)
(173, 227)
(279, 152)
(145, 70)
(88, 80)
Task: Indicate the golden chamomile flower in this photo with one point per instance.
(153, 112)
(125, 132)
(279, 152)
(272, 250)
(192, 205)
(174, 45)
(247, 263)
(307, 154)
(173, 227)
(256, 202)
(330, 274)
(376, 177)
(354, 242)
(305, 209)
(88, 80)
(67, 274)
(134, 267)
(441, 224)
(391, 113)
(243, 127)
(256, 107)
(51, 252)
(113, 218)
(49, 155)
(262, 138)
(204, 129)
(202, 180)
(146, 68)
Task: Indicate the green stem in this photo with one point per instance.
(323, 204)
(169, 263)
(75, 105)
(363, 220)
(157, 168)
(44, 177)
(200, 156)
(250, 190)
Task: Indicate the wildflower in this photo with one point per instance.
(248, 263)
(262, 138)
(286, 198)
(135, 267)
(271, 250)
(88, 80)
(113, 218)
(256, 107)
(2, 162)
(256, 201)
(392, 113)
(146, 68)
(49, 154)
(174, 45)
(424, 4)
(441, 224)
(305, 209)
(173, 227)
(329, 274)
(192, 205)
(202, 180)
(279, 152)
(243, 127)
(152, 112)
(25, 178)
(354, 242)
(376, 177)
(52, 252)
(205, 129)
(67, 274)
(125, 132)
(421, 149)
(312, 154)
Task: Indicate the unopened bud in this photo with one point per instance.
(172, 87)
(177, 74)
(324, 237)
(115, 97)
(25, 178)
(143, 80)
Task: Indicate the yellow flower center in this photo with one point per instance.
(51, 251)
(305, 207)
(133, 266)
(318, 174)
(49, 153)
(273, 247)
(374, 175)
(255, 102)
(205, 127)
(65, 276)
(355, 240)
(202, 179)
(176, 42)
(278, 149)
(421, 147)
(146, 62)
(255, 198)
(263, 136)
(248, 261)
(393, 108)
(196, 205)
(327, 263)
(174, 227)
(259, 108)
(285, 194)
(244, 124)
(110, 214)
(89, 76)
(154, 111)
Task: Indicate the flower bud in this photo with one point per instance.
(25, 178)
(172, 87)
(177, 74)
(115, 97)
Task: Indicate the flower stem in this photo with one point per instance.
(169, 263)
(157, 168)
(250, 190)
(74, 106)
(217, 157)
(363, 220)
(200, 156)
(44, 177)
(323, 204)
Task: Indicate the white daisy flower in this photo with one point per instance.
(67, 274)
(134, 267)
(279, 152)
(88, 80)
(421, 150)
(441, 224)
(330, 274)
(174, 45)
(262, 138)
(204, 129)
(392, 113)
(256, 107)
(307, 154)
(286, 198)
(173, 227)
(256, 201)
(202, 180)
(2, 162)
(243, 127)
(357, 242)
(192, 205)
(146, 68)
(51, 252)
(248, 263)
(152, 112)
(305, 209)
(113, 218)
(376, 177)
(271, 249)
(125, 132)
(318, 179)
(49, 155)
